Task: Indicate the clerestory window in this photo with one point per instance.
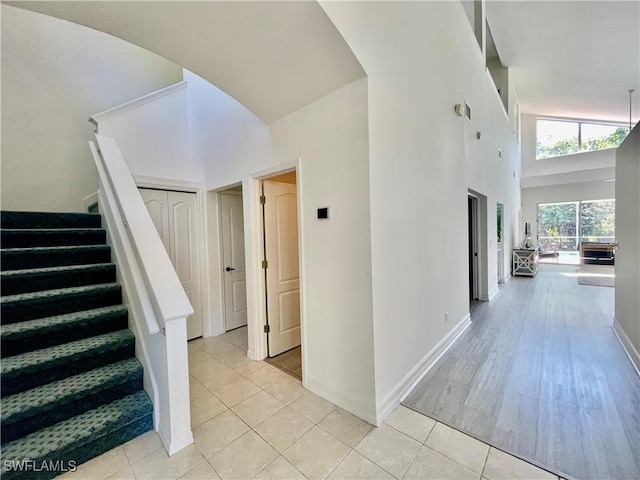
(565, 137)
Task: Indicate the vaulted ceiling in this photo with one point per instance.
(273, 57)
(567, 58)
(571, 58)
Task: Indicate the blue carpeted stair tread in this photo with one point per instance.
(14, 282)
(21, 220)
(32, 361)
(71, 387)
(28, 370)
(59, 322)
(32, 305)
(40, 237)
(21, 337)
(26, 412)
(39, 257)
(92, 431)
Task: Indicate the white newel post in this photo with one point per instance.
(178, 383)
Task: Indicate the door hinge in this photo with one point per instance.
(267, 329)
(265, 264)
(263, 199)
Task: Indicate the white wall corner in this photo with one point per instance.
(408, 383)
(628, 347)
(494, 292)
(344, 401)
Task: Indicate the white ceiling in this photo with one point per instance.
(571, 58)
(567, 58)
(273, 57)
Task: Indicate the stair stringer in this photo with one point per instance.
(160, 346)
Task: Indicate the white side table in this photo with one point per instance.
(525, 262)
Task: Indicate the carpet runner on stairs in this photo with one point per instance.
(71, 386)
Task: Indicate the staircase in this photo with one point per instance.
(71, 386)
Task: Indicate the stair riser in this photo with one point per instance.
(21, 381)
(29, 309)
(53, 238)
(49, 220)
(19, 260)
(95, 326)
(41, 281)
(78, 406)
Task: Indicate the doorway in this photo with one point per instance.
(499, 244)
(233, 272)
(279, 203)
(472, 208)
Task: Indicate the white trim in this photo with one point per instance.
(346, 402)
(256, 309)
(89, 200)
(494, 291)
(138, 102)
(167, 183)
(160, 183)
(628, 347)
(177, 445)
(408, 383)
(221, 272)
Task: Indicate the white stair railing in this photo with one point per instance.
(158, 305)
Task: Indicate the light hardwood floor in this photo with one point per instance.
(540, 374)
(289, 362)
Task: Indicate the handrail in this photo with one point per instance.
(167, 298)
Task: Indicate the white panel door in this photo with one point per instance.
(235, 286)
(174, 215)
(283, 281)
(156, 202)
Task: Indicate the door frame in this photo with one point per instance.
(254, 252)
(482, 242)
(225, 191)
(473, 248)
(158, 183)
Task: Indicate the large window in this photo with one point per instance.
(562, 226)
(564, 137)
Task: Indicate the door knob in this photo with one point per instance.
(228, 269)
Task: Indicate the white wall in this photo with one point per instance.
(226, 137)
(421, 59)
(627, 303)
(330, 138)
(56, 74)
(152, 133)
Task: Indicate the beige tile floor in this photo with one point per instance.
(251, 420)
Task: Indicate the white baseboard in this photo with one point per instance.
(343, 401)
(494, 291)
(628, 347)
(393, 399)
(173, 447)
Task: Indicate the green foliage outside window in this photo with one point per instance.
(571, 145)
(558, 223)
